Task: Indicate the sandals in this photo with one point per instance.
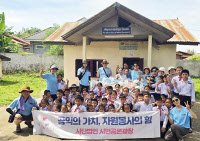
(28, 123)
(18, 129)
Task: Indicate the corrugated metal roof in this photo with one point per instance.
(18, 40)
(56, 36)
(182, 34)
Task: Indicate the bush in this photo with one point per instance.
(195, 57)
(60, 72)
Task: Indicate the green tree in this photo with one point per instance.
(27, 31)
(192, 51)
(6, 44)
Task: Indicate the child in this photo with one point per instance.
(95, 104)
(78, 107)
(144, 105)
(122, 99)
(78, 92)
(56, 102)
(99, 90)
(60, 83)
(44, 105)
(64, 109)
(164, 88)
(99, 99)
(101, 108)
(66, 95)
(117, 88)
(91, 94)
(89, 102)
(136, 94)
(129, 98)
(50, 99)
(127, 107)
(59, 94)
(155, 86)
(111, 108)
(168, 104)
(58, 108)
(163, 117)
(140, 97)
(146, 89)
(114, 99)
(186, 89)
(90, 108)
(163, 97)
(107, 95)
(105, 103)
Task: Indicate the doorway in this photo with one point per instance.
(131, 61)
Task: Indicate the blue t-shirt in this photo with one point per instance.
(85, 79)
(181, 117)
(51, 82)
(135, 75)
(102, 73)
(28, 106)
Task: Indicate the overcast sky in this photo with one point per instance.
(43, 13)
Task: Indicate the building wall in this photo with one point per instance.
(165, 56)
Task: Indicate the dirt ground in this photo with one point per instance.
(7, 130)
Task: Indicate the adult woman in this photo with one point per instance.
(104, 72)
(180, 119)
(146, 73)
(51, 80)
(23, 106)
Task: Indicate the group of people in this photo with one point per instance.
(171, 94)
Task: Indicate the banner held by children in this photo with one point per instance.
(97, 125)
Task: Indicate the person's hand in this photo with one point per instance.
(42, 69)
(168, 90)
(67, 81)
(166, 113)
(83, 70)
(153, 104)
(187, 105)
(175, 83)
(139, 72)
(192, 103)
(134, 100)
(34, 108)
(163, 129)
(18, 116)
(80, 111)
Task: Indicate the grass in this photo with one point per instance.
(12, 84)
(196, 81)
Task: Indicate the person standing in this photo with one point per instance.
(51, 79)
(104, 72)
(84, 76)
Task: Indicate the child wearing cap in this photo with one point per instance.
(78, 107)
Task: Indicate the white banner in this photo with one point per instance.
(97, 125)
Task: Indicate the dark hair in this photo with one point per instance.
(84, 90)
(146, 86)
(109, 88)
(58, 100)
(154, 68)
(79, 91)
(114, 92)
(130, 104)
(122, 96)
(140, 95)
(79, 97)
(45, 100)
(60, 75)
(99, 97)
(147, 93)
(158, 99)
(164, 96)
(95, 100)
(101, 105)
(137, 89)
(161, 77)
(185, 71)
(104, 99)
(179, 67)
(99, 84)
(89, 99)
(147, 69)
(111, 105)
(59, 107)
(169, 100)
(88, 106)
(91, 92)
(117, 85)
(60, 91)
(66, 90)
(46, 91)
(126, 88)
(176, 97)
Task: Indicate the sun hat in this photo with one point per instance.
(26, 88)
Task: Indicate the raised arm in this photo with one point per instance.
(41, 72)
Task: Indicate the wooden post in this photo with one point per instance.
(149, 59)
(84, 47)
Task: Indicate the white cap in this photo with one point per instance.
(161, 69)
(53, 67)
(171, 67)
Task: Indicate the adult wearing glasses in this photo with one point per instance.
(136, 73)
(104, 72)
(179, 118)
(51, 79)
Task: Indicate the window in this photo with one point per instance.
(93, 66)
(123, 23)
(39, 47)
